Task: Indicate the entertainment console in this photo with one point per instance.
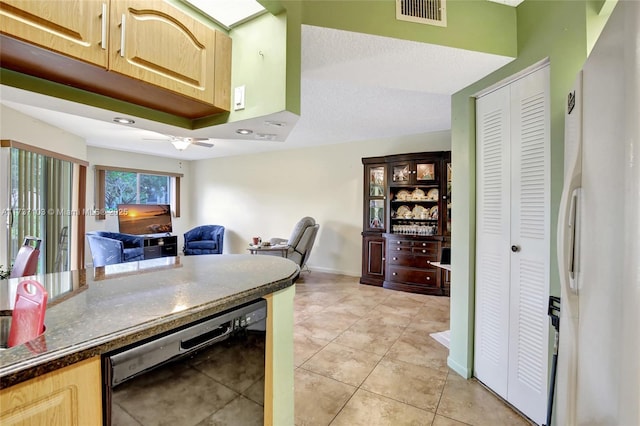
(160, 246)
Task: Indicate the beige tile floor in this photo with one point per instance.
(363, 356)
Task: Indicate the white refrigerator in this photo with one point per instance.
(598, 375)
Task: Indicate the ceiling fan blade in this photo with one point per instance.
(199, 139)
(207, 145)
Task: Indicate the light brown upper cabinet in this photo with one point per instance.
(156, 55)
(75, 28)
(167, 48)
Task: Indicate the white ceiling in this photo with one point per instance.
(354, 87)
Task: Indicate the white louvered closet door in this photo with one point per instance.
(513, 187)
(530, 235)
(493, 229)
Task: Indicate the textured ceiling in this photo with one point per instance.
(354, 87)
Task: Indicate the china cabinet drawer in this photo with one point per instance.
(396, 249)
(429, 245)
(410, 261)
(401, 243)
(431, 252)
(418, 276)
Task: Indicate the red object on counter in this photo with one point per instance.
(27, 320)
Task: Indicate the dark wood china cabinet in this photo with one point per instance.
(407, 221)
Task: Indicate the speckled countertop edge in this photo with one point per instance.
(20, 371)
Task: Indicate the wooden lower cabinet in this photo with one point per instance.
(408, 268)
(373, 259)
(69, 396)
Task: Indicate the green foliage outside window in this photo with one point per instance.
(135, 188)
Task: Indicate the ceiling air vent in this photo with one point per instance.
(431, 12)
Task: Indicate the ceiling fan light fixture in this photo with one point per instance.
(180, 144)
(244, 131)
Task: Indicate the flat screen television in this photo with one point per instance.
(144, 219)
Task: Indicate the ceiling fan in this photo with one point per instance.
(181, 143)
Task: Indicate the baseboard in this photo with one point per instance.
(333, 271)
(460, 369)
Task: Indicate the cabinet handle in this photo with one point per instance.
(397, 242)
(398, 248)
(395, 258)
(103, 32)
(383, 259)
(123, 29)
(395, 273)
(428, 278)
(424, 251)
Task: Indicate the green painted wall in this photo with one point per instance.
(471, 24)
(258, 62)
(556, 30)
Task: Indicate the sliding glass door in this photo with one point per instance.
(40, 205)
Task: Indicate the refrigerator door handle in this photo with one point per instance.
(568, 228)
(574, 239)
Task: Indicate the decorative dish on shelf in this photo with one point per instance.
(403, 195)
(433, 213)
(417, 194)
(420, 212)
(404, 212)
(433, 194)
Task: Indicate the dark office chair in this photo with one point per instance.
(26, 262)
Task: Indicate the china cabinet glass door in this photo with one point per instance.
(376, 216)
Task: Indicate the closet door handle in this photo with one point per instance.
(515, 248)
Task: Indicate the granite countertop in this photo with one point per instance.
(107, 308)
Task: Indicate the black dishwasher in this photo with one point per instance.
(132, 361)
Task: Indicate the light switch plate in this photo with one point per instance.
(238, 98)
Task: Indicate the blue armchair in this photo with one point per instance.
(205, 239)
(108, 248)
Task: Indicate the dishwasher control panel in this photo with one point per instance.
(126, 363)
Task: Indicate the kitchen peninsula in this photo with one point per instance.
(97, 311)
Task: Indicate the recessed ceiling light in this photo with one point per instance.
(244, 131)
(122, 120)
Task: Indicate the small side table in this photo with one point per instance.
(282, 249)
(446, 267)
